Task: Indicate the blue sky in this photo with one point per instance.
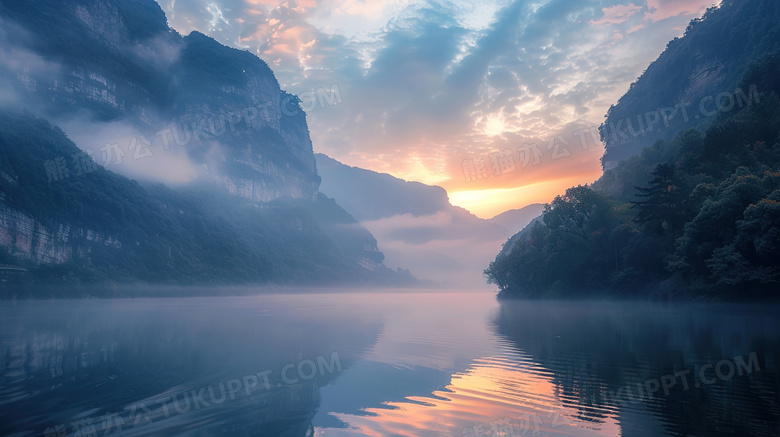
(430, 90)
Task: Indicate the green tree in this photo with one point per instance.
(662, 209)
(752, 257)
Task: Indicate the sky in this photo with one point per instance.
(497, 101)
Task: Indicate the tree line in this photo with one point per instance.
(695, 216)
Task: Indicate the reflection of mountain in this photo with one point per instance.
(415, 225)
(67, 360)
(594, 350)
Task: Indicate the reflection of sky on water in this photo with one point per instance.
(411, 364)
(436, 373)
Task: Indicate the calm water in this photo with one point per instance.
(381, 364)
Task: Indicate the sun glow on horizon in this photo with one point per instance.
(425, 86)
(489, 202)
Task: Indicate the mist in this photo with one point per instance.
(121, 147)
(442, 247)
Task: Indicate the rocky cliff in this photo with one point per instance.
(119, 60)
(250, 212)
(694, 79)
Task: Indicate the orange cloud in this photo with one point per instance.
(422, 91)
(660, 9)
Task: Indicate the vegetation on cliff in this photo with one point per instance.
(695, 216)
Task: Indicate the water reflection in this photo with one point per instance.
(611, 360)
(172, 366)
(422, 364)
(477, 382)
(582, 369)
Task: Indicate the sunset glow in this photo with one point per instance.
(402, 218)
(426, 86)
(490, 202)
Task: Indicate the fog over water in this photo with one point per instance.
(386, 363)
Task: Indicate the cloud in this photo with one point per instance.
(451, 247)
(23, 73)
(159, 52)
(662, 9)
(21, 69)
(428, 84)
(617, 14)
(132, 157)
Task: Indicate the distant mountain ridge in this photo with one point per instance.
(377, 195)
(371, 196)
(516, 219)
(415, 224)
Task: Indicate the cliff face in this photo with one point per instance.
(694, 79)
(232, 99)
(253, 213)
(118, 60)
(27, 239)
(100, 226)
(30, 241)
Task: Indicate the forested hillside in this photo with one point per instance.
(694, 216)
(101, 103)
(678, 91)
(94, 226)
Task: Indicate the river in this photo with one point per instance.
(380, 363)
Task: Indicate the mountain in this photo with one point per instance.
(693, 217)
(114, 103)
(369, 195)
(415, 224)
(87, 63)
(516, 219)
(694, 79)
(102, 227)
